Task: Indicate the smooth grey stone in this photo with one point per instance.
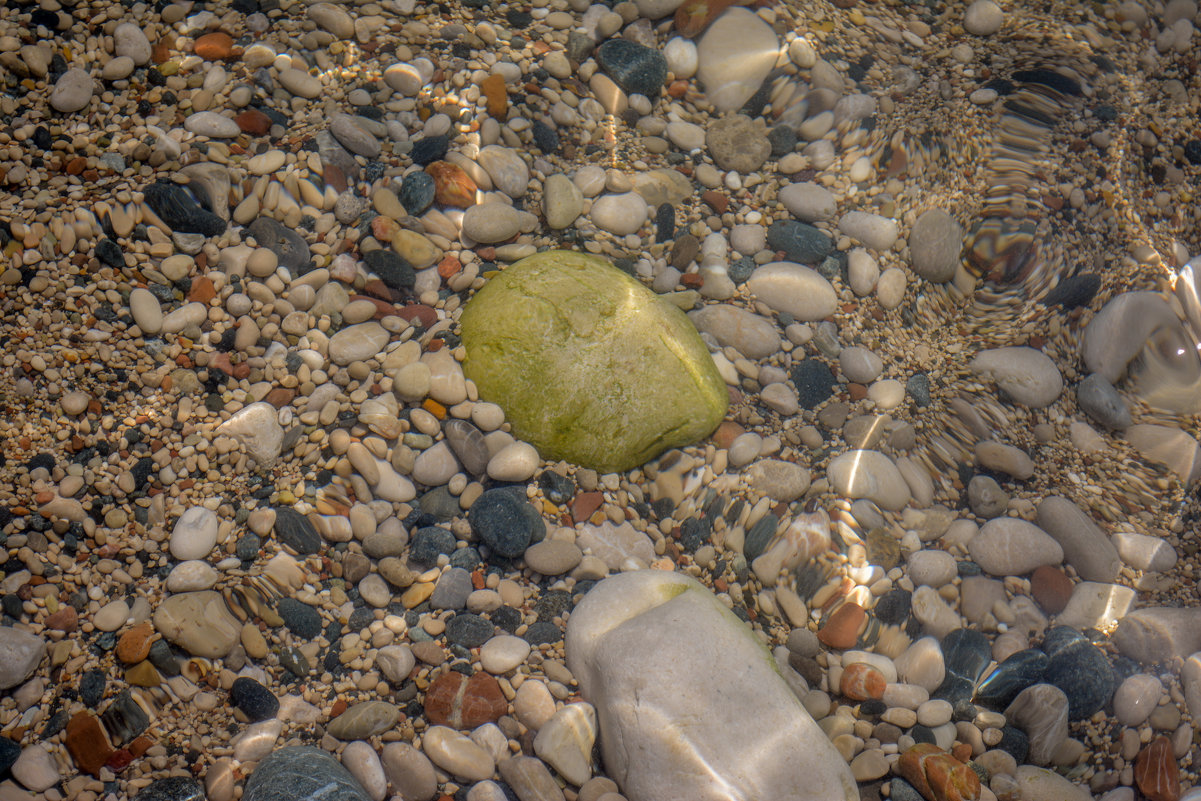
(302, 773)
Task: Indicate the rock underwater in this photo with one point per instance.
(691, 705)
(588, 364)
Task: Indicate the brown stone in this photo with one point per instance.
(280, 397)
(420, 314)
(695, 15)
(1156, 772)
(452, 185)
(134, 645)
(496, 96)
(143, 674)
(215, 46)
(841, 630)
(716, 200)
(584, 504)
(202, 291)
(1051, 589)
(88, 743)
(727, 431)
(65, 619)
(429, 652)
(464, 703)
(253, 122)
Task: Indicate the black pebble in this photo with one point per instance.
(918, 387)
(557, 488)
(542, 632)
(814, 383)
(392, 269)
(256, 701)
(665, 223)
(301, 619)
(893, 607)
(294, 530)
(545, 137)
(1075, 291)
(428, 544)
(9, 751)
(91, 687)
(429, 149)
(468, 630)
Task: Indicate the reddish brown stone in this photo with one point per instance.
(1051, 589)
(860, 682)
(449, 266)
(202, 291)
(384, 228)
(716, 201)
(215, 46)
(584, 504)
(842, 627)
(452, 185)
(464, 703)
(727, 431)
(161, 52)
(75, 166)
(856, 391)
(87, 742)
(253, 122)
(280, 397)
(65, 619)
(419, 313)
(496, 96)
(1156, 772)
(937, 775)
(692, 280)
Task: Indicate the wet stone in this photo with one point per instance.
(966, 653)
(800, 242)
(124, 719)
(505, 522)
(364, 720)
(176, 207)
(302, 773)
(91, 687)
(255, 700)
(1016, 673)
(426, 151)
(814, 383)
(428, 544)
(1080, 669)
(637, 69)
(392, 269)
(296, 531)
(893, 607)
(416, 192)
(172, 788)
(288, 246)
(468, 630)
(301, 619)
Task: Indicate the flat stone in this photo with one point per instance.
(490, 223)
(1041, 711)
(620, 214)
(302, 773)
(1136, 698)
(625, 400)
(257, 429)
(1101, 401)
(565, 742)
(1158, 633)
(1085, 546)
(1007, 546)
(869, 474)
(199, 623)
(809, 202)
(288, 246)
(463, 702)
(738, 143)
(1027, 376)
(20, 655)
(793, 289)
(1172, 447)
(194, 535)
(363, 720)
(935, 242)
(746, 332)
(358, 343)
(637, 69)
(72, 91)
(800, 242)
(1144, 552)
(711, 672)
(735, 55)
(873, 230)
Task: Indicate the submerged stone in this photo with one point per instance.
(302, 773)
(695, 730)
(180, 212)
(588, 364)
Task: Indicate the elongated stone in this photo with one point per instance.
(696, 729)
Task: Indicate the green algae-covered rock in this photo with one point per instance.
(589, 365)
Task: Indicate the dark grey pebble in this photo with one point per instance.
(302, 773)
(256, 701)
(301, 619)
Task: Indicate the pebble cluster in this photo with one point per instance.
(263, 539)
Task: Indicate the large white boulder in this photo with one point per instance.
(690, 703)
